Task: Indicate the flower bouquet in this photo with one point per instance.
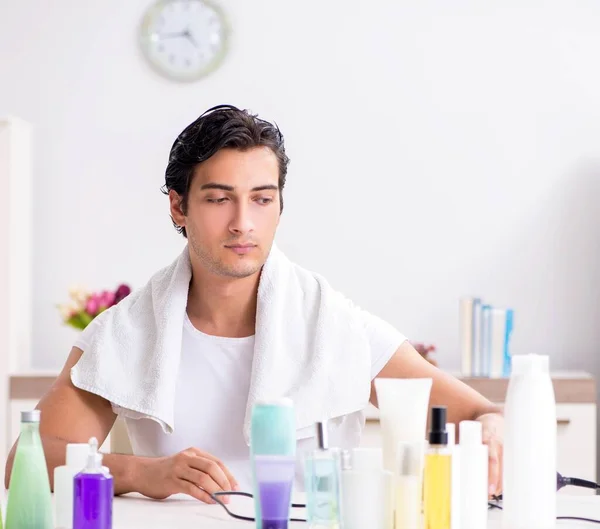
(425, 350)
(84, 306)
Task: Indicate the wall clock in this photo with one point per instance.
(184, 40)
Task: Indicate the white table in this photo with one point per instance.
(180, 512)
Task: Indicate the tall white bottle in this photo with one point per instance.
(473, 477)
(529, 457)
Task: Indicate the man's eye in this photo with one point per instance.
(216, 200)
(264, 200)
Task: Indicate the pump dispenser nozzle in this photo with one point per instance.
(94, 462)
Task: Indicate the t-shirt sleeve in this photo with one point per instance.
(85, 337)
(384, 339)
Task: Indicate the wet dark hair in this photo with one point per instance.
(220, 127)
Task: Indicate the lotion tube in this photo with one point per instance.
(403, 405)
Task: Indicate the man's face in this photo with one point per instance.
(233, 210)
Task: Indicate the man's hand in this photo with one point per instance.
(191, 472)
(492, 425)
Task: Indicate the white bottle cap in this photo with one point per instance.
(367, 459)
(451, 429)
(285, 402)
(529, 363)
(77, 455)
(410, 458)
(470, 433)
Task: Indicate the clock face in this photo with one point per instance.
(184, 39)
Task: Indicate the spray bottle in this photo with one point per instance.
(438, 474)
(93, 493)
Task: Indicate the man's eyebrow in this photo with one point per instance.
(212, 185)
(223, 187)
(265, 187)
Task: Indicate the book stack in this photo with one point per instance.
(485, 333)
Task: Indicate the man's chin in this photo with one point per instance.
(240, 269)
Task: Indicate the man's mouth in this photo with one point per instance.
(241, 249)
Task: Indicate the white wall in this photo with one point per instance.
(438, 149)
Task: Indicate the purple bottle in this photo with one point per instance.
(93, 493)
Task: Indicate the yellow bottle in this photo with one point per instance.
(437, 491)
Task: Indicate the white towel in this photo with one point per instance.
(309, 346)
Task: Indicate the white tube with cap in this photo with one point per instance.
(76, 460)
(455, 479)
(403, 414)
(473, 477)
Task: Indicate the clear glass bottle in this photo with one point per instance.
(437, 486)
(29, 498)
(323, 489)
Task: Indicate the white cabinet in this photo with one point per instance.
(576, 442)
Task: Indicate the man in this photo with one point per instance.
(225, 180)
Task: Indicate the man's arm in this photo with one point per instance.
(70, 415)
(462, 401)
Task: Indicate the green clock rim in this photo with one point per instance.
(144, 39)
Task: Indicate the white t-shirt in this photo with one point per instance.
(212, 391)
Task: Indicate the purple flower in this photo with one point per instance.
(122, 292)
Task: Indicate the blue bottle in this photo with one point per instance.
(273, 455)
(93, 492)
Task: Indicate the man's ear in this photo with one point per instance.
(176, 206)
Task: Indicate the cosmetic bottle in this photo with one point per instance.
(322, 471)
(529, 452)
(473, 477)
(75, 461)
(93, 492)
(408, 479)
(438, 474)
(273, 457)
(367, 491)
(455, 453)
(29, 498)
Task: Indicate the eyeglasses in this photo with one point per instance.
(215, 496)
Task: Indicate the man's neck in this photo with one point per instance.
(223, 306)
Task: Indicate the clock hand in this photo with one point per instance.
(187, 34)
(172, 35)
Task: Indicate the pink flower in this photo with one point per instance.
(106, 299)
(92, 305)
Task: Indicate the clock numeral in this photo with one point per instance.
(172, 58)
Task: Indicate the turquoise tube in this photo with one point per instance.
(273, 454)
